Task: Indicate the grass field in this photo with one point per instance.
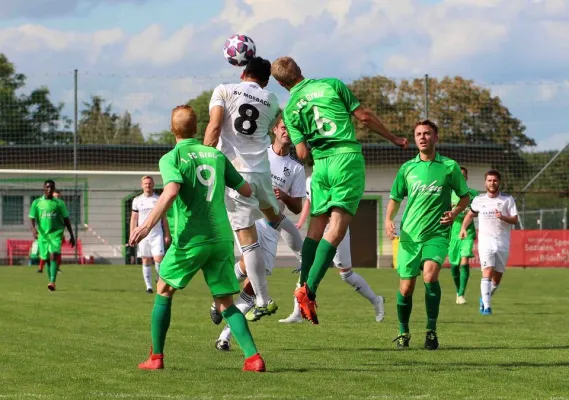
(85, 340)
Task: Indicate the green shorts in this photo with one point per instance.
(459, 248)
(50, 244)
(216, 260)
(337, 181)
(411, 256)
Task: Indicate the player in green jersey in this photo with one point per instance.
(427, 181)
(194, 178)
(49, 218)
(460, 250)
(319, 114)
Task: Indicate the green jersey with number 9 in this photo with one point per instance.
(198, 215)
(319, 112)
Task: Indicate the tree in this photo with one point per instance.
(163, 137)
(29, 118)
(200, 105)
(464, 112)
(100, 125)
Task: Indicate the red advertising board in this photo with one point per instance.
(541, 248)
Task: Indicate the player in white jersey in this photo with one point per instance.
(289, 186)
(497, 214)
(151, 249)
(240, 118)
(343, 262)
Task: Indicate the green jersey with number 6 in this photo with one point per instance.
(319, 112)
(198, 215)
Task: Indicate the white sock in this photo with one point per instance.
(291, 236)
(147, 274)
(296, 310)
(485, 289)
(238, 273)
(244, 303)
(494, 288)
(255, 265)
(157, 268)
(358, 283)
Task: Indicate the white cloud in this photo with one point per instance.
(553, 142)
(43, 9)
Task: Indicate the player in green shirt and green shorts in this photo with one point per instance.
(319, 114)
(194, 178)
(49, 218)
(427, 181)
(460, 250)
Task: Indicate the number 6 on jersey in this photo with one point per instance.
(320, 121)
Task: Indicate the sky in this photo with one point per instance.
(150, 55)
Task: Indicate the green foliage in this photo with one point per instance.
(29, 118)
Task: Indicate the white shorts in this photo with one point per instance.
(343, 257)
(268, 240)
(492, 257)
(151, 246)
(244, 211)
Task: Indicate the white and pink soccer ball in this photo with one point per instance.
(239, 49)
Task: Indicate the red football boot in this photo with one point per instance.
(51, 286)
(307, 306)
(155, 361)
(254, 363)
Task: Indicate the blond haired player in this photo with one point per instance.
(497, 214)
(151, 249)
(240, 118)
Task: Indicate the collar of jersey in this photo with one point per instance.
(186, 141)
(299, 85)
(437, 157)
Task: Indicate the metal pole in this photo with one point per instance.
(77, 212)
(426, 95)
(544, 168)
(541, 219)
(565, 219)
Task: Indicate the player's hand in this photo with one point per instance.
(390, 229)
(498, 214)
(35, 233)
(72, 241)
(138, 234)
(299, 225)
(401, 142)
(448, 218)
(462, 234)
(280, 195)
(167, 240)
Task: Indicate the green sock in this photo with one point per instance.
(464, 275)
(308, 253)
(240, 330)
(324, 255)
(455, 273)
(404, 307)
(432, 304)
(52, 271)
(160, 322)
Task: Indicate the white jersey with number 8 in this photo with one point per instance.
(249, 113)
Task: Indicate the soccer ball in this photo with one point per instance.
(239, 49)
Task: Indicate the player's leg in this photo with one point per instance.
(498, 271)
(145, 253)
(408, 268)
(296, 316)
(454, 260)
(343, 261)
(220, 278)
(466, 254)
(54, 245)
(43, 254)
(293, 238)
(487, 263)
(434, 252)
(177, 270)
(157, 250)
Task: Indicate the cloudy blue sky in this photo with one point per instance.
(147, 55)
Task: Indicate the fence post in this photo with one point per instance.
(77, 210)
(426, 95)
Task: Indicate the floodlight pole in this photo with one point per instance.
(77, 212)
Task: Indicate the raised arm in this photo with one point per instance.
(373, 123)
(213, 130)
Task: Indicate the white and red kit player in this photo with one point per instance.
(240, 118)
(151, 249)
(343, 262)
(289, 186)
(497, 214)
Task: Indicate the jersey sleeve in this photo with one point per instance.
(511, 207)
(344, 93)
(457, 181)
(169, 170)
(63, 209)
(298, 187)
(218, 97)
(292, 126)
(33, 210)
(135, 204)
(475, 205)
(399, 188)
(233, 179)
(308, 188)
